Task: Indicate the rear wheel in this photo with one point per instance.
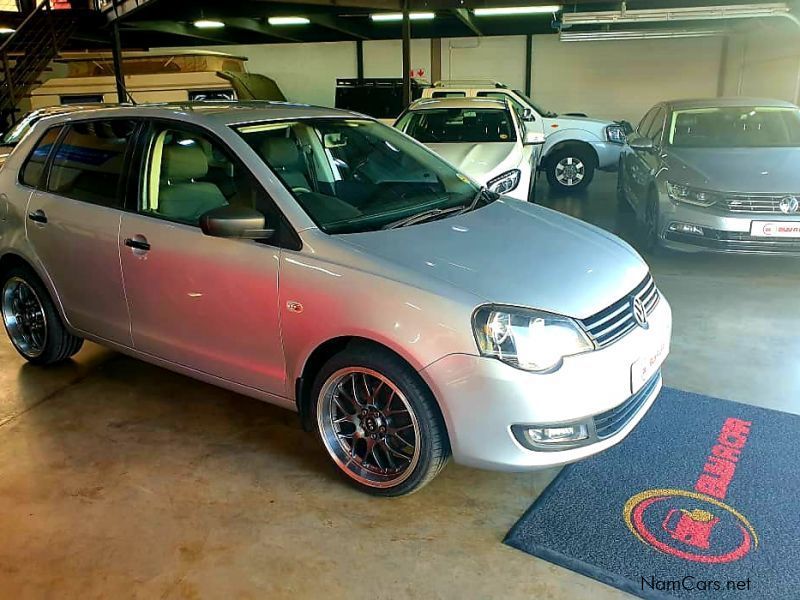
(379, 422)
(32, 321)
(570, 169)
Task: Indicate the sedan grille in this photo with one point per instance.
(762, 204)
(610, 422)
(612, 323)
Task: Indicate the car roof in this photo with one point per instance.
(724, 102)
(213, 112)
(482, 103)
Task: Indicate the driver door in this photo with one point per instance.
(206, 303)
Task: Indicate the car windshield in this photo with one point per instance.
(735, 127)
(459, 125)
(354, 175)
(16, 133)
(539, 109)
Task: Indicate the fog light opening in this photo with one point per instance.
(688, 228)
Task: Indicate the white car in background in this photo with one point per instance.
(575, 145)
(483, 138)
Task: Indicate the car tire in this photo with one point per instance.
(650, 241)
(570, 169)
(378, 421)
(31, 320)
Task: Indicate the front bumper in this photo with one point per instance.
(722, 231)
(483, 398)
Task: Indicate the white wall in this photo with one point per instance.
(494, 58)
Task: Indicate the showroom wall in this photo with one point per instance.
(608, 79)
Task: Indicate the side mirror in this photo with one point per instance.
(527, 115)
(533, 138)
(642, 144)
(235, 222)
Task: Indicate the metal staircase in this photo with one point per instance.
(28, 51)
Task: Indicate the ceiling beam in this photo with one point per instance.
(337, 25)
(257, 26)
(466, 18)
(180, 29)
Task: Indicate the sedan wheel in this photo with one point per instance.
(24, 317)
(378, 421)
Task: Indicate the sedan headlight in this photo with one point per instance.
(502, 184)
(616, 134)
(527, 339)
(688, 195)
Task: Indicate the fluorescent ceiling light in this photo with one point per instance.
(288, 21)
(208, 24)
(642, 34)
(695, 13)
(516, 10)
(414, 16)
(6, 30)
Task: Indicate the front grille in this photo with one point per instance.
(610, 324)
(752, 203)
(610, 422)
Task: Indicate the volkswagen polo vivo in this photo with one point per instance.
(324, 262)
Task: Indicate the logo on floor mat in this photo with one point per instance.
(697, 525)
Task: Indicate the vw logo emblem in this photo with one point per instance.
(639, 313)
(789, 204)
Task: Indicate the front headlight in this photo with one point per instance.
(502, 184)
(527, 339)
(616, 134)
(688, 195)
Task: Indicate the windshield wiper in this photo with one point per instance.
(426, 215)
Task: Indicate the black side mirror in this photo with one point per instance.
(642, 144)
(235, 222)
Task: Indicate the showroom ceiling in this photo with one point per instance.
(157, 23)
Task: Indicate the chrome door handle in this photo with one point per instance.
(38, 216)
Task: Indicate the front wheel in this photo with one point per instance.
(652, 219)
(379, 422)
(570, 169)
(32, 321)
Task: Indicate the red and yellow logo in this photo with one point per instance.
(697, 525)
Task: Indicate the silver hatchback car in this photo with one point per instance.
(324, 262)
(718, 174)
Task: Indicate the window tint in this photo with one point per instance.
(646, 121)
(448, 94)
(87, 164)
(516, 105)
(657, 126)
(34, 167)
(189, 173)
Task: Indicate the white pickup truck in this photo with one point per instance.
(575, 146)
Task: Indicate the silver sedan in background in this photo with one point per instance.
(719, 174)
(483, 137)
(326, 263)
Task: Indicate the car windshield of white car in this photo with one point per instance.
(735, 127)
(354, 175)
(459, 125)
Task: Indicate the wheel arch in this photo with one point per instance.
(582, 145)
(10, 260)
(304, 378)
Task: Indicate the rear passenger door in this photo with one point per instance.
(202, 302)
(73, 221)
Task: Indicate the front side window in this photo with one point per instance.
(656, 128)
(88, 163)
(353, 175)
(459, 125)
(735, 127)
(188, 173)
(33, 170)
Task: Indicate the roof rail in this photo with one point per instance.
(468, 83)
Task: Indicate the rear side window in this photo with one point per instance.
(87, 165)
(33, 170)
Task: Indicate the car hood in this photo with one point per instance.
(746, 170)
(516, 253)
(482, 162)
(566, 122)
